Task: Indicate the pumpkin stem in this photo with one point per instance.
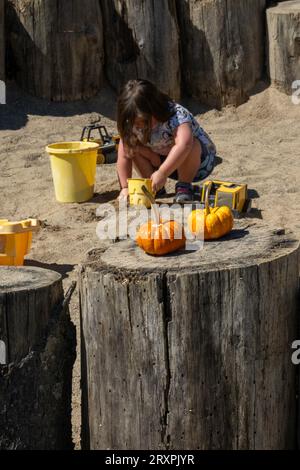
(153, 204)
(207, 193)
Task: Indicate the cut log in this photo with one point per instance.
(191, 350)
(222, 48)
(141, 41)
(37, 353)
(2, 44)
(57, 47)
(283, 23)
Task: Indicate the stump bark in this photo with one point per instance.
(283, 23)
(37, 353)
(222, 48)
(142, 41)
(191, 350)
(2, 42)
(57, 47)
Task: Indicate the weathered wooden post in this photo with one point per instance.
(283, 23)
(192, 350)
(57, 47)
(37, 353)
(142, 40)
(222, 49)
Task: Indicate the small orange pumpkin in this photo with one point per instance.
(215, 222)
(161, 238)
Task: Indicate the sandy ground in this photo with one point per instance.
(258, 143)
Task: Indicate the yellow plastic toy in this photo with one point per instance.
(108, 144)
(73, 169)
(15, 240)
(225, 193)
(136, 195)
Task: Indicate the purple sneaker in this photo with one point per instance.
(184, 192)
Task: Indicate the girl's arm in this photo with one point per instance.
(124, 166)
(183, 146)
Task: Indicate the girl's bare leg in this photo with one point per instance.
(153, 157)
(143, 166)
(124, 166)
(189, 168)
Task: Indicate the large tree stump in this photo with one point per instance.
(222, 48)
(284, 44)
(57, 47)
(141, 41)
(37, 353)
(192, 350)
(2, 44)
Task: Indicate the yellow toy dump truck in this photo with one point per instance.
(108, 150)
(225, 193)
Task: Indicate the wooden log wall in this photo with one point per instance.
(57, 47)
(213, 50)
(222, 48)
(210, 49)
(142, 40)
(283, 23)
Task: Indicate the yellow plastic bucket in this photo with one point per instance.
(73, 167)
(136, 194)
(15, 240)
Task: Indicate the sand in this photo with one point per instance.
(258, 144)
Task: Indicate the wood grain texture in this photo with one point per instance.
(57, 47)
(142, 41)
(2, 42)
(283, 23)
(125, 321)
(222, 48)
(27, 299)
(35, 380)
(193, 351)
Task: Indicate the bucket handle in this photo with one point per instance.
(153, 204)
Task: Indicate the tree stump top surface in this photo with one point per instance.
(286, 7)
(26, 278)
(242, 247)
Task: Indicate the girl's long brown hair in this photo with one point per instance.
(140, 98)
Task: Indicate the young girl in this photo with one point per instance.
(161, 139)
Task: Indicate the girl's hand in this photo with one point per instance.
(123, 194)
(158, 179)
